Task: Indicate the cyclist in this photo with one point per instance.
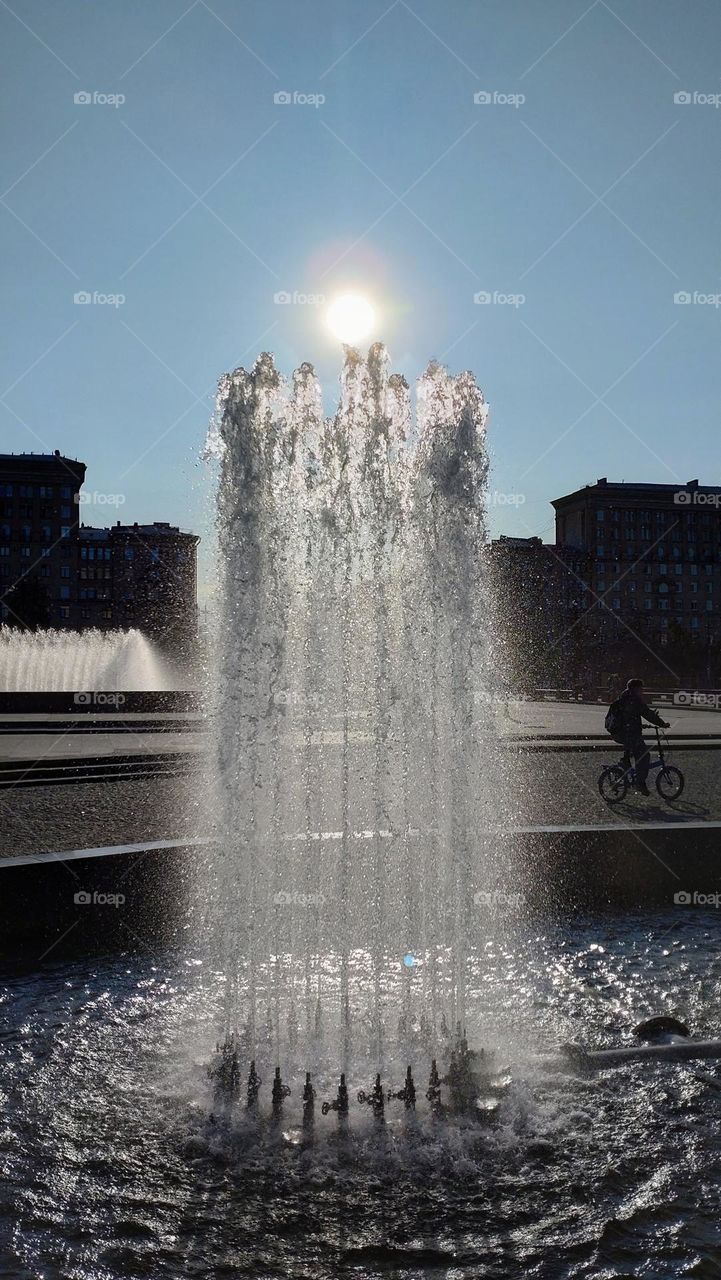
(625, 725)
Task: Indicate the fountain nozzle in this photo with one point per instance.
(254, 1083)
(407, 1094)
(374, 1099)
(340, 1103)
(280, 1091)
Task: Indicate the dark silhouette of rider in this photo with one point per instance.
(632, 711)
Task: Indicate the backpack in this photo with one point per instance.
(614, 718)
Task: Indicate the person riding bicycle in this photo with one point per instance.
(625, 724)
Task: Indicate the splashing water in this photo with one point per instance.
(356, 798)
(66, 661)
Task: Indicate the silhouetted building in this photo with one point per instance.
(38, 530)
(140, 575)
(654, 573)
(57, 573)
(541, 597)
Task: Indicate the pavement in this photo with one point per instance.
(561, 749)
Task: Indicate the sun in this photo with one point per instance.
(350, 317)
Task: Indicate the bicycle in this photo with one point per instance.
(616, 779)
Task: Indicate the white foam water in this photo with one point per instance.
(53, 661)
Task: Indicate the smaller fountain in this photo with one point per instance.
(74, 661)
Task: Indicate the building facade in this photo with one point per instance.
(653, 590)
(540, 599)
(39, 495)
(55, 572)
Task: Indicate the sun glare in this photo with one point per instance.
(350, 318)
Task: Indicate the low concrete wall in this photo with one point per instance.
(597, 868)
(129, 898)
(137, 896)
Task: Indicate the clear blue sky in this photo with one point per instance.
(118, 205)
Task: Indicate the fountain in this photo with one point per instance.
(356, 801)
(68, 661)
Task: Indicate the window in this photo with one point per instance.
(694, 588)
(46, 491)
(647, 604)
(65, 513)
(46, 532)
(678, 569)
(6, 491)
(616, 602)
(600, 514)
(66, 491)
(663, 587)
(65, 593)
(663, 604)
(26, 491)
(647, 586)
(694, 624)
(45, 571)
(84, 613)
(4, 551)
(663, 568)
(693, 569)
(26, 532)
(65, 571)
(709, 606)
(599, 551)
(64, 611)
(4, 531)
(129, 553)
(65, 531)
(25, 553)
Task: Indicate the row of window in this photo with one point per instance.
(658, 517)
(39, 490)
(633, 553)
(28, 535)
(649, 568)
(662, 587)
(662, 604)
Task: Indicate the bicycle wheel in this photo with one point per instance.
(670, 782)
(613, 784)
